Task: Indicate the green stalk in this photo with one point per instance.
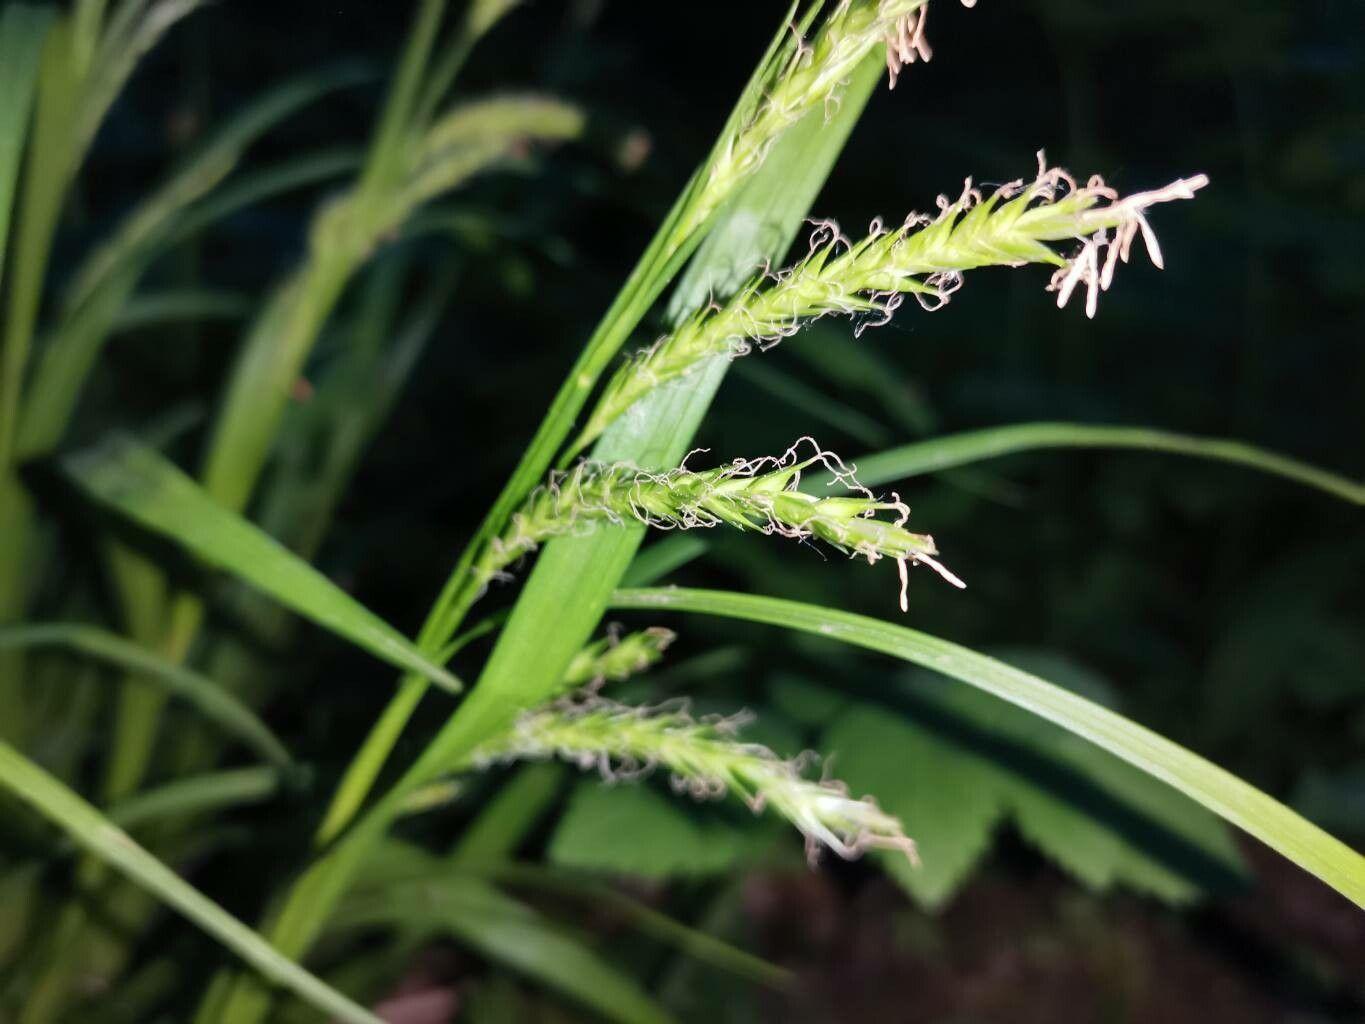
(672, 244)
(530, 658)
(396, 121)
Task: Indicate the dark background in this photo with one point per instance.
(1225, 606)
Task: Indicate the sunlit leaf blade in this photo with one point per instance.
(508, 932)
(211, 700)
(976, 445)
(109, 843)
(138, 483)
(1223, 793)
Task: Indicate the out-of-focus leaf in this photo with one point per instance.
(197, 794)
(1335, 800)
(138, 483)
(698, 944)
(206, 696)
(856, 364)
(504, 819)
(160, 211)
(22, 28)
(632, 830)
(102, 838)
(156, 308)
(812, 402)
(508, 932)
(663, 557)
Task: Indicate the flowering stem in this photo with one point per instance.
(705, 761)
(758, 494)
(925, 256)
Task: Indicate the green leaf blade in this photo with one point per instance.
(208, 698)
(508, 932)
(995, 442)
(103, 839)
(138, 483)
(1217, 789)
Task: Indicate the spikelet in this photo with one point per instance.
(705, 761)
(748, 494)
(925, 257)
(812, 79)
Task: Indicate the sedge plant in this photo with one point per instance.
(611, 459)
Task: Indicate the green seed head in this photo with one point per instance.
(811, 78)
(615, 657)
(748, 494)
(705, 760)
(925, 257)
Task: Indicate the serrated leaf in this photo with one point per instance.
(960, 760)
(632, 830)
(946, 800)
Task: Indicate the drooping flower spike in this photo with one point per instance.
(749, 494)
(705, 760)
(925, 257)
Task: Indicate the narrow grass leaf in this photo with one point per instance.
(22, 28)
(160, 211)
(698, 944)
(155, 309)
(138, 483)
(106, 841)
(197, 794)
(202, 693)
(974, 446)
(812, 402)
(510, 933)
(504, 820)
(1221, 792)
(574, 576)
